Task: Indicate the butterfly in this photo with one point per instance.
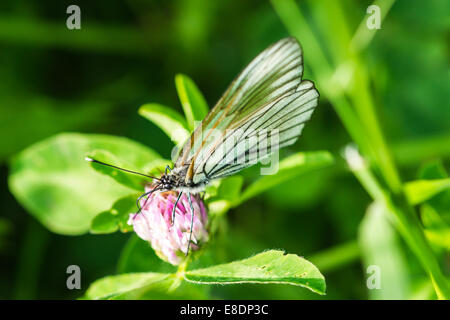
(267, 97)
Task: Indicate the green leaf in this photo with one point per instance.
(194, 104)
(111, 286)
(439, 238)
(166, 289)
(151, 285)
(430, 218)
(168, 120)
(433, 169)
(272, 266)
(436, 229)
(223, 194)
(423, 290)
(115, 218)
(156, 167)
(421, 190)
(289, 168)
(230, 188)
(130, 180)
(104, 223)
(52, 180)
(440, 203)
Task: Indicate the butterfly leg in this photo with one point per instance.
(175, 206)
(138, 205)
(139, 199)
(192, 222)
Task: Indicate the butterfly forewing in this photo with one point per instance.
(267, 100)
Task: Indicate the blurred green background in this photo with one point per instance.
(127, 53)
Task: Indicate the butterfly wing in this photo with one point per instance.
(268, 95)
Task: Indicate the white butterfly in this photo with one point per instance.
(268, 96)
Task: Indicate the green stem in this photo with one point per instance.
(294, 21)
(364, 128)
(409, 227)
(364, 35)
(179, 275)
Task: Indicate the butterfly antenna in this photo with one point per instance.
(118, 168)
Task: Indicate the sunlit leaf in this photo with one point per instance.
(224, 194)
(272, 266)
(230, 188)
(439, 238)
(421, 190)
(151, 285)
(116, 218)
(104, 223)
(52, 180)
(440, 203)
(194, 104)
(136, 182)
(423, 290)
(168, 120)
(111, 286)
(156, 167)
(165, 290)
(436, 229)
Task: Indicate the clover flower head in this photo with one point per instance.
(154, 224)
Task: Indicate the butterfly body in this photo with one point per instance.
(175, 180)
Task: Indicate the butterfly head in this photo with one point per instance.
(167, 182)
